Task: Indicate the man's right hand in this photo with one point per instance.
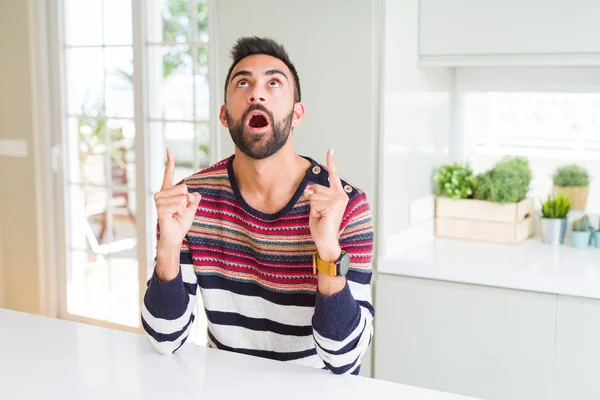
(176, 209)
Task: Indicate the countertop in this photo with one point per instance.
(531, 265)
(49, 358)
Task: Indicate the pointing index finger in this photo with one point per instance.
(169, 171)
(334, 178)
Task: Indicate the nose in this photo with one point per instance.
(256, 96)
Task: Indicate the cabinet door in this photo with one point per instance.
(472, 340)
(464, 28)
(577, 349)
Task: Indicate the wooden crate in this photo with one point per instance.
(483, 220)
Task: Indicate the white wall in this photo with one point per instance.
(415, 135)
(2, 278)
(334, 46)
(18, 214)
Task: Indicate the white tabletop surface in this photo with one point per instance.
(532, 265)
(44, 358)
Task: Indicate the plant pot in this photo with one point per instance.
(484, 221)
(577, 194)
(553, 230)
(580, 240)
(595, 238)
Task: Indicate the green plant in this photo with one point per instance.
(571, 175)
(556, 207)
(519, 165)
(582, 224)
(176, 29)
(507, 182)
(455, 181)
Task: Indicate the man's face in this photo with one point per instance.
(260, 109)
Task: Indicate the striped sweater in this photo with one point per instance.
(255, 275)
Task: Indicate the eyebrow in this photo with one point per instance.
(248, 73)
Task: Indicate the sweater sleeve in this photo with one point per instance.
(168, 309)
(343, 323)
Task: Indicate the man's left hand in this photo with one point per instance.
(327, 206)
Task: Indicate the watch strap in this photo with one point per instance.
(327, 267)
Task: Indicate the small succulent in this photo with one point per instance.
(556, 207)
(571, 175)
(455, 181)
(582, 224)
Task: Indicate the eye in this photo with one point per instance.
(242, 83)
(274, 84)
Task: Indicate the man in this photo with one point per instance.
(279, 245)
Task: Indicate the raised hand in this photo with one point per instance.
(327, 206)
(176, 208)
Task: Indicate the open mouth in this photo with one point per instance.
(257, 120)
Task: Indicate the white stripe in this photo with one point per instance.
(340, 360)
(310, 361)
(256, 307)
(334, 345)
(359, 291)
(242, 338)
(188, 274)
(167, 326)
(168, 347)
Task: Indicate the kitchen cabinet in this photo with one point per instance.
(509, 32)
(577, 349)
(478, 341)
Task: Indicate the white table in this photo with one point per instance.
(44, 358)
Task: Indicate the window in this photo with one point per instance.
(552, 117)
(116, 120)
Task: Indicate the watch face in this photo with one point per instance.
(344, 264)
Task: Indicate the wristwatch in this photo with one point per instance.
(338, 267)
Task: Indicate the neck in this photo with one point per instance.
(275, 174)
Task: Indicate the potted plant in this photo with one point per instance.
(580, 236)
(507, 182)
(572, 181)
(455, 181)
(554, 218)
(491, 207)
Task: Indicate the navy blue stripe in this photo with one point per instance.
(273, 355)
(347, 348)
(252, 289)
(343, 369)
(164, 337)
(364, 278)
(336, 316)
(367, 305)
(167, 300)
(257, 324)
(182, 343)
(189, 287)
(185, 257)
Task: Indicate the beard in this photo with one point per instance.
(260, 146)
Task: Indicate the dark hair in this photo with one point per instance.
(247, 46)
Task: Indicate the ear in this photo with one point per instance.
(223, 117)
(298, 114)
